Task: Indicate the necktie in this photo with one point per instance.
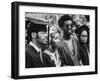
(40, 52)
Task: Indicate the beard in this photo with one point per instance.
(42, 42)
(66, 35)
(68, 32)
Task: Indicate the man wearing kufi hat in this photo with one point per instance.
(38, 39)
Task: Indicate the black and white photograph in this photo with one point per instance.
(56, 40)
(53, 40)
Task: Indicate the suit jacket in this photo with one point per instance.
(33, 58)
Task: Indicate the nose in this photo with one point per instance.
(69, 26)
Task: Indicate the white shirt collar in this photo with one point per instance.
(34, 46)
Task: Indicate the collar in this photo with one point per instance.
(34, 46)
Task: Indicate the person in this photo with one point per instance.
(51, 56)
(83, 35)
(69, 43)
(38, 38)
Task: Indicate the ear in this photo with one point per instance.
(33, 35)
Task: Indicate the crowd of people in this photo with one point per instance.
(56, 45)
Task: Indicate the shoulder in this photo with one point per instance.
(29, 49)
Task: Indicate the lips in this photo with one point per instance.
(69, 31)
(45, 40)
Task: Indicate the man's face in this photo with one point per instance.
(42, 37)
(84, 37)
(68, 27)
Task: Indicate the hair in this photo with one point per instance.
(26, 23)
(62, 19)
(81, 29)
(87, 18)
(34, 27)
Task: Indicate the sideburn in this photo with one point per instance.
(66, 36)
(41, 45)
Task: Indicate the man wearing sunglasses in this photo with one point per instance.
(69, 43)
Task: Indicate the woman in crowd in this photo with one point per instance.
(83, 35)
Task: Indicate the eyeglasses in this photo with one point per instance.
(69, 25)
